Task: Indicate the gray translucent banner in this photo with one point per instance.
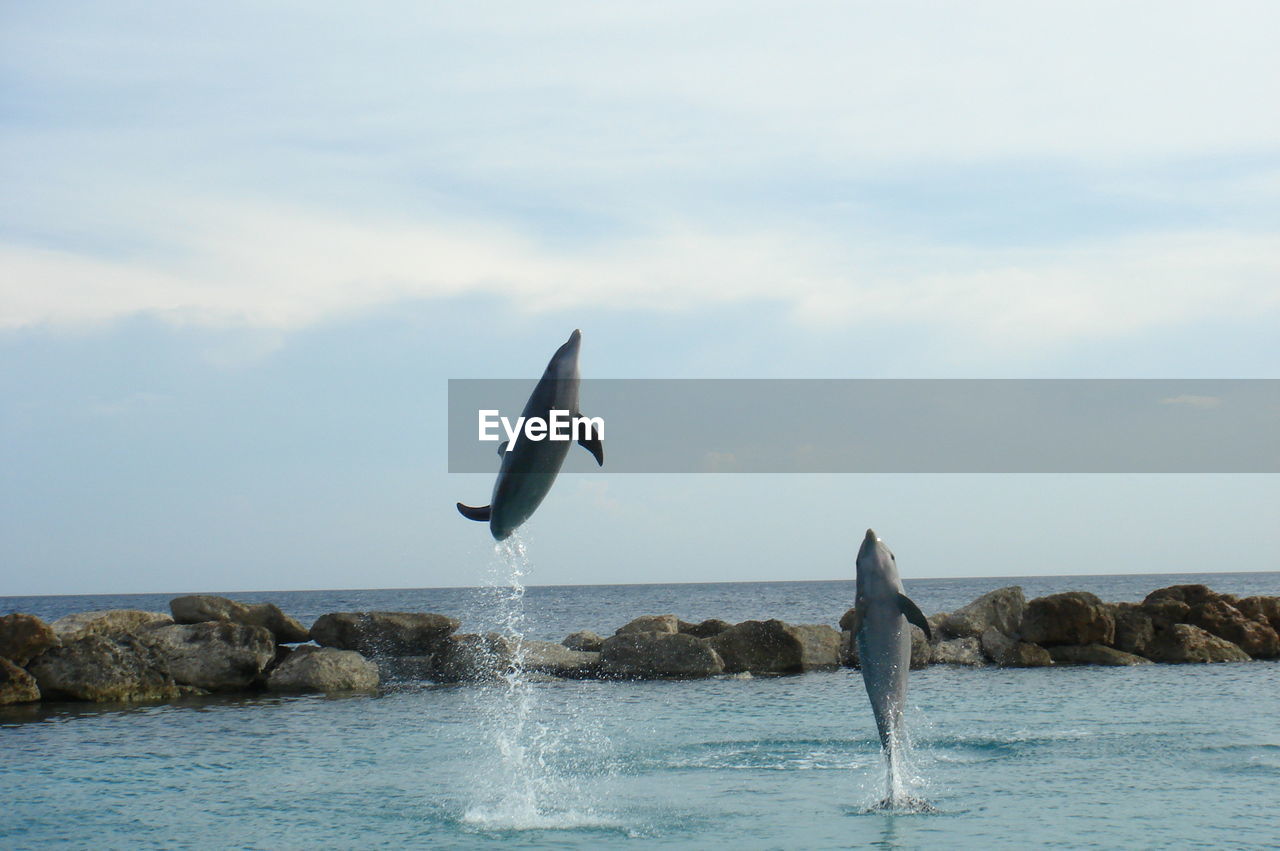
(901, 426)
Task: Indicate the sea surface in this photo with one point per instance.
(1146, 757)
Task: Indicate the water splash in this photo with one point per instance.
(902, 782)
(526, 780)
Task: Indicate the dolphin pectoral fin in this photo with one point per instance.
(502, 448)
(591, 442)
(913, 615)
(473, 513)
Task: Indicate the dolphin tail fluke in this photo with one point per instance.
(591, 442)
(913, 615)
(472, 513)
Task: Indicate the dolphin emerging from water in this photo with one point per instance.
(881, 616)
(529, 467)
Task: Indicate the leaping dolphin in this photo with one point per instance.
(529, 467)
(881, 616)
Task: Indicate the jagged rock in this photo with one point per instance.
(935, 625)
(921, 650)
(1220, 618)
(1192, 595)
(1135, 630)
(959, 651)
(1011, 653)
(546, 657)
(384, 633)
(819, 646)
(109, 622)
(760, 647)
(24, 637)
(846, 620)
(1263, 609)
(1183, 642)
(199, 608)
(218, 655)
(324, 669)
(651, 623)
(1072, 617)
(98, 668)
(585, 640)
(16, 685)
(474, 658)
(659, 655)
(1001, 609)
(707, 629)
(1093, 654)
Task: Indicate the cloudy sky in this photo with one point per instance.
(244, 245)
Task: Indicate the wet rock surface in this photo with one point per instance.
(657, 655)
(324, 669)
(384, 633)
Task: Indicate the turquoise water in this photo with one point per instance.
(1072, 757)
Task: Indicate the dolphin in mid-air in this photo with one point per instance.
(529, 467)
(881, 616)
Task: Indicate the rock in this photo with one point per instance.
(1072, 617)
(708, 628)
(24, 637)
(199, 608)
(282, 653)
(1011, 653)
(846, 620)
(324, 669)
(384, 633)
(935, 625)
(959, 651)
(16, 685)
(1186, 643)
(103, 669)
(659, 655)
(585, 640)
(1093, 654)
(474, 658)
(651, 623)
(1135, 629)
(109, 622)
(406, 669)
(218, 655)
(1166, 612)
(546, 657)
(1001, 609)
(921, 650)
(849, 650)
(1262, 609)
(1192, 595)
(819, 646)
(760, 647)
(1220, 618)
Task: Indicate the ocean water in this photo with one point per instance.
(1146, 757)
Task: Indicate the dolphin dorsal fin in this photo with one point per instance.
(591, 442)
(913, 615)
(472, 513)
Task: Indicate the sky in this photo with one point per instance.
(244, 246)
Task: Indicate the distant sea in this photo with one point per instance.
(1153, 756)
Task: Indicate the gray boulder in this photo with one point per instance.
(935, 622)
(1183, 643)
(217, 656)
(1001, 609)
(1072, 617)
(584, 640)
(546, 657)
(1011, 653)
(1093, 654)
(109, 622)
(200, 608)
(16, 685)
(101, 669)
(651, 623)
(405, 669)
(1135, 629)
(659, 655)
(324, 669)
(384, 633)
(474, 657)
(760, 647)
(959, 651)
(24, 637)
(819, 645)
(707, 628)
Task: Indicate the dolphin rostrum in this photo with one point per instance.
(881, 616)
(529, 467)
